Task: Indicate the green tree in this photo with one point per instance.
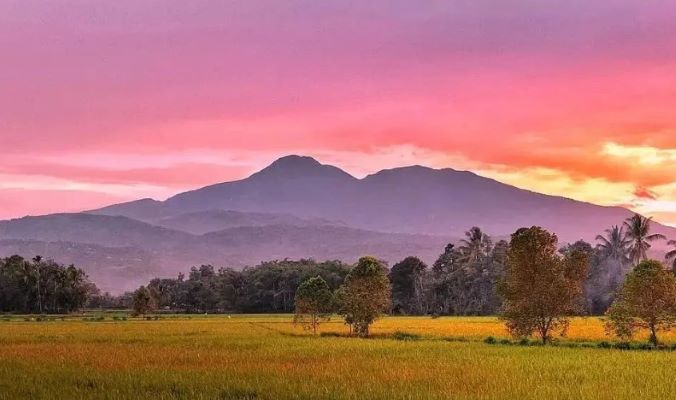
(407, 278)
(638, 231)
(647, 300)
(142, 301)
(540, 288)
(313, 303)
(365, 295)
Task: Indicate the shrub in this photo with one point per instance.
(604, 345)
(505, 341)
(622, 346)
(490, 340)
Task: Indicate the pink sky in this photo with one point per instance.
(103, 102)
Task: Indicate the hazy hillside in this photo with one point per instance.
(116, 231)
(201, 222)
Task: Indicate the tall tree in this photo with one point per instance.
(476, 245)
(365, 294)
(615, 244)
(647, 300)
(313, 303)
(671, 255)
(540, 288)
(408, 291)
(638, 231)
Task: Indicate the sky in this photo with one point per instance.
(108, 101)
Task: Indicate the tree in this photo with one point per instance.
(441, 287)
(615, 244)
(476, 245)
(647, 300)
(638, 231)
(540, 288)
(313, 303)
(142, 301)
(365, 295)
(407, 277)
(671, 256)
(610, 263)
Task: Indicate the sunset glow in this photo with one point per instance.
(102, 102)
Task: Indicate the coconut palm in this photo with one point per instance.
(615, 244)
(638, 232)
(476, 245)
(671, 255)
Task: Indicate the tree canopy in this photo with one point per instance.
(646, 300)
(540, 288)
(365, 295)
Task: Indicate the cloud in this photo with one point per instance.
(644, 193)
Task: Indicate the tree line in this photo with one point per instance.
(42, 286)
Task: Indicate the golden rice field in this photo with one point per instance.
(266, 357)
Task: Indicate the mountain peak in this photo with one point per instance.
(296, 165)
(295, 161)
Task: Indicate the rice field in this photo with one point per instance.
(266, 357)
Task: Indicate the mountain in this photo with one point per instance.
(294, 208)
(416, 200)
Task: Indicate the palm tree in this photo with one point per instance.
(671, 255)
(638, 231)
(476, 245)
(615, 244)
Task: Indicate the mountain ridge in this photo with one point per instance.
(411, 199)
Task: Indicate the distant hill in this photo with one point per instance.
(294, 208)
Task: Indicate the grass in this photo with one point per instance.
(266, 357)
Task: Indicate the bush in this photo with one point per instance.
(645, 346)
(604, 345)
(490, 340)
(622, 346)
(505, 341)
(398, 335)
(524, 342)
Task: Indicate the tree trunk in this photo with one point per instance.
(653, 334)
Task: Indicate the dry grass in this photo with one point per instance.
(265, 357)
